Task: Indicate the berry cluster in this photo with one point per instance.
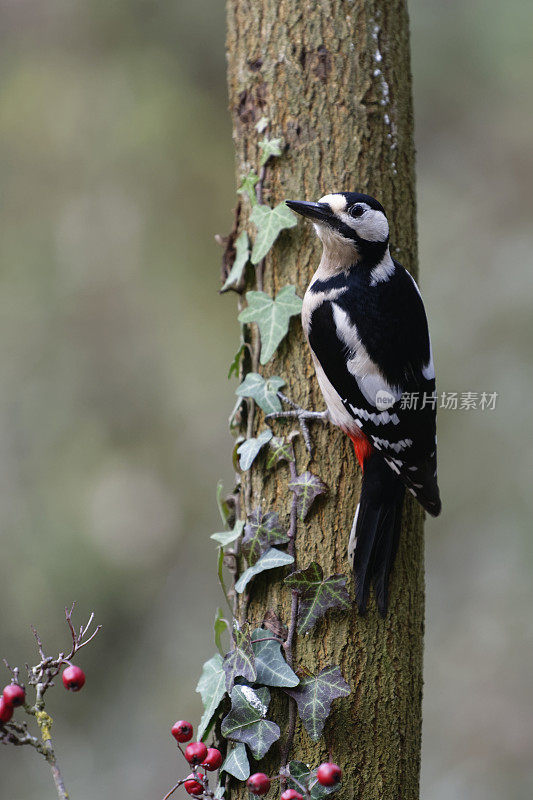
(13, 696)
(198, 755)
(328, 774)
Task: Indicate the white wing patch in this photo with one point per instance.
(360, 365)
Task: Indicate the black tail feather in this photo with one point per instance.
(386, 549)
(377, 531)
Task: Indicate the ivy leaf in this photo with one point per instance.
(248, 186)
(307, 487)
(261, 533)
(212, 688)
(242, 254)
(314, 697)
(301, 774)
(317, 594)
(270, 560)
(235, 364)
(250, 448)
(269, 222)
(279, 450)
(270, 148)
(227, 537)
(272, 669)
(246, 721)
(219, 627)
(240, 661)
(236, 762)
(263, 390)
(272, 317)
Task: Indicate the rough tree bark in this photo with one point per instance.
(333, 78)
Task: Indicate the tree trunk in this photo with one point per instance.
(333, 78)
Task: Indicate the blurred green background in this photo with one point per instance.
(116, 169)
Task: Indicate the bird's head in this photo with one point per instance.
(348, 223)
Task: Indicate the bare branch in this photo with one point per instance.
(17, 733)
(39, 643)
(179, 783)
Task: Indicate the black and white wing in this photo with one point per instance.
(372, 344)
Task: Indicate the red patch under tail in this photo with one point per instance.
(361, 446)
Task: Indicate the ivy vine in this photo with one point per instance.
(235, 684)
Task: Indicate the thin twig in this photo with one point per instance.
(39, 643)
(268, 639)
(177, 786)
(17, 733)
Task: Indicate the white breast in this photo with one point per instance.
(337, 411)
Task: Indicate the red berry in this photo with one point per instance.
(213, 759)
(329, 774)
(73, 678)
(259, 783)
(193, 786)
(182, 731)
(6, 711)
(195, 753)
(291, 794)
(14, 695)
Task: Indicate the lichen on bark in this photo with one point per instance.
(333, 79)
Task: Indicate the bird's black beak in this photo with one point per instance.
(319, 211)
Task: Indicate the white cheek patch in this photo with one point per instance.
(336, 202)
(372, 226)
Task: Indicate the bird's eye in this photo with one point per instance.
(357, 211)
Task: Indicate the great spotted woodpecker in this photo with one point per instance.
(364, 319)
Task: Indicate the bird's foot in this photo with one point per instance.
(302, 415)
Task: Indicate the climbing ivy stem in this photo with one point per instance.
(260, 269)
(288, 646)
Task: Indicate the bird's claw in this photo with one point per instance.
(302, 415)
